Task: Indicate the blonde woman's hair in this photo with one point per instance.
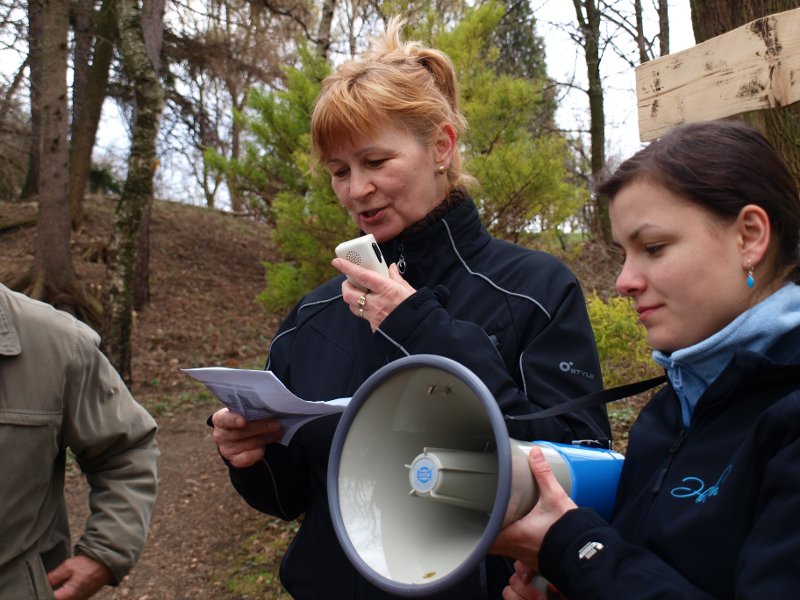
(395, 84)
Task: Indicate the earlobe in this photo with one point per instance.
(754, 234)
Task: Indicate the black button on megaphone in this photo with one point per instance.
(423, 475)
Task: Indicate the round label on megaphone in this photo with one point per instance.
(423, 475)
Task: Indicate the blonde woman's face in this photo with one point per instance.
(387, 181)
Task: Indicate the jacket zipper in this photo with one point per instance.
(401, 259)
(672, 451)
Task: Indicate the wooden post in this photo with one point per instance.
(749, 68)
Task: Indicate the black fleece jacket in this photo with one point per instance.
(708, 511)
(516, 317)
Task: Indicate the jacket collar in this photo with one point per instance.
(419, 246)
(9, 338)
(751, 373)
(692, 369)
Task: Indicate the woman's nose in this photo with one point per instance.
(629, 282)
(361, 185)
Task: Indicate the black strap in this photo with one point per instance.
(593, 399)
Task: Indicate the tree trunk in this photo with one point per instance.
(82, 32)
(663, 27)
(640, 39)
(153, 29)
(711, 18)
(588, 16)
(237, 202)
(85, 129)
(53, 278)
(138, 189)
(324, 29)
(11, 91)
(141, 272)
(53, 258)
(35, 62)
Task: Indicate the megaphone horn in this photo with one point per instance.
(423, 475)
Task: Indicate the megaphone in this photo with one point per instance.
(422, 475)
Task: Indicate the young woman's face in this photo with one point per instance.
(683, 266)
(387, 181)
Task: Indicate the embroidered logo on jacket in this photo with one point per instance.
(589, 550)
(696, 487)
(568, 367)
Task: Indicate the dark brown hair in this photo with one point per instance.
(721, 166)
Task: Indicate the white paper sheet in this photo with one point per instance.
(260, 394)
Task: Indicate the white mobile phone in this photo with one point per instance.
(363, 251)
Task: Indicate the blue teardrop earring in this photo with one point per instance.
(750, 281)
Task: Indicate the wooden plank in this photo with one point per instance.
(752, 67)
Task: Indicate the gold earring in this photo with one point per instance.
(441, 170)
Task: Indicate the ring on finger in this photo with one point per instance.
(362, 300)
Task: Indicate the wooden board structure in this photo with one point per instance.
(752, 67)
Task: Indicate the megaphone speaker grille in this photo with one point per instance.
(354, 257)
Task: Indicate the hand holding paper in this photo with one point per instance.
(260, 395)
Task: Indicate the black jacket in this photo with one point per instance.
(516, 317)
(708, 511)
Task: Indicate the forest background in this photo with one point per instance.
(226, 86)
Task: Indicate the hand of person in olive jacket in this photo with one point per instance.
(78, 578)
(241, 441)
(522, 539)
(385, 293)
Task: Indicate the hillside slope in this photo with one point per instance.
(205, 271)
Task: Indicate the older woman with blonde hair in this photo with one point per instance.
(386, 127)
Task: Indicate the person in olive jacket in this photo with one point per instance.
(58, 391)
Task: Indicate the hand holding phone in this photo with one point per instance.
(363, 251)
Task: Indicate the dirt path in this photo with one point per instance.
(198, 516)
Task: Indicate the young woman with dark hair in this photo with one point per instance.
(707, 218)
